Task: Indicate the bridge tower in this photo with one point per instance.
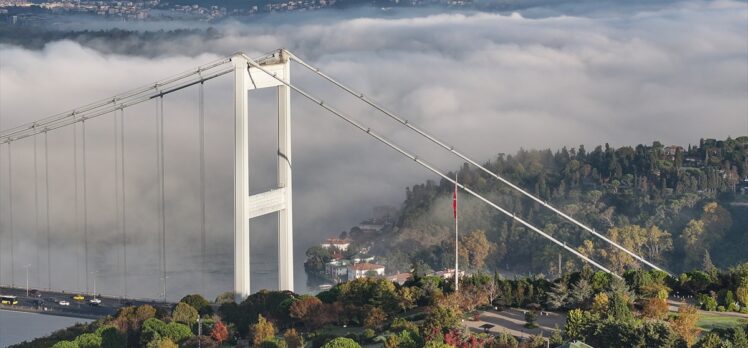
(279, 200)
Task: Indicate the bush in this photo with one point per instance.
(65, 344)
(88, 340)
(707, 302)
(720, 308)
(341, 342)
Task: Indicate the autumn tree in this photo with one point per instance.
(600, 304)
(184, 313)
(219, 332)
(262, 331)
(655, 308)
(293, 339)
(305, 309)
(375, 319)
(685, 324)
(475, 247)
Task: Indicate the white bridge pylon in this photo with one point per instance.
(280, 199)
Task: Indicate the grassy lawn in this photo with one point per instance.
(711, 321)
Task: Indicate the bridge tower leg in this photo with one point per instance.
(285, 216)
(278, 200)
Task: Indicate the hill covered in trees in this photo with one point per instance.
(673, 205)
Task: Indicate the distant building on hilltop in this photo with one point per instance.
(341, 244)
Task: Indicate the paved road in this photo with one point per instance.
(47, 302)
(512, 321)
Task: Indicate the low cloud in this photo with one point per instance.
(484, 82)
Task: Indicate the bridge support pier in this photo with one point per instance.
(278, 200)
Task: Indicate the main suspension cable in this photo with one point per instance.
(425, 164)
(451, 149)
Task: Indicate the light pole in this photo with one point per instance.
(163, 290)
(27, 279)
(94, 282)
(199, 331)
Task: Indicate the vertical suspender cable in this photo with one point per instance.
(85, 203)
(202, 188)
(122, 196)
(1, 228)
(10, 215)
(117, 221)
(36, 211)
(46, 210)
(75, 198)
(162, 191)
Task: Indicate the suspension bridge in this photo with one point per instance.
(266, 72)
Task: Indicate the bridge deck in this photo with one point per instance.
(47, 302)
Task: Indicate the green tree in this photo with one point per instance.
(576, 322)
(199, 303)
(111, 338)
(709, 340)
(580, 293)
(341, 342)
(176, 332)
(707, 265)
(619, 309)
(65, 344)
(443, 317)
(558, 295)
(88, 340)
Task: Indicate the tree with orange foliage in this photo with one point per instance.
(655, 308)
(219, 333)
(685, 324)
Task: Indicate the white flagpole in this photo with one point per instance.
(457, 245)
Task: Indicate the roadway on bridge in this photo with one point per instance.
(48, 302)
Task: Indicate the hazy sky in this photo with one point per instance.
(562, 75)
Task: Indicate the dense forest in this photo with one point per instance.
(673, 205)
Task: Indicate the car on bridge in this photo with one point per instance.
(94, 302)
(64, 303)
(79, 298)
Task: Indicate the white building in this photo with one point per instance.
(337, 269)
(364, 269)
(341, 244)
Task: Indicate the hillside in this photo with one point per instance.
(673, 204)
